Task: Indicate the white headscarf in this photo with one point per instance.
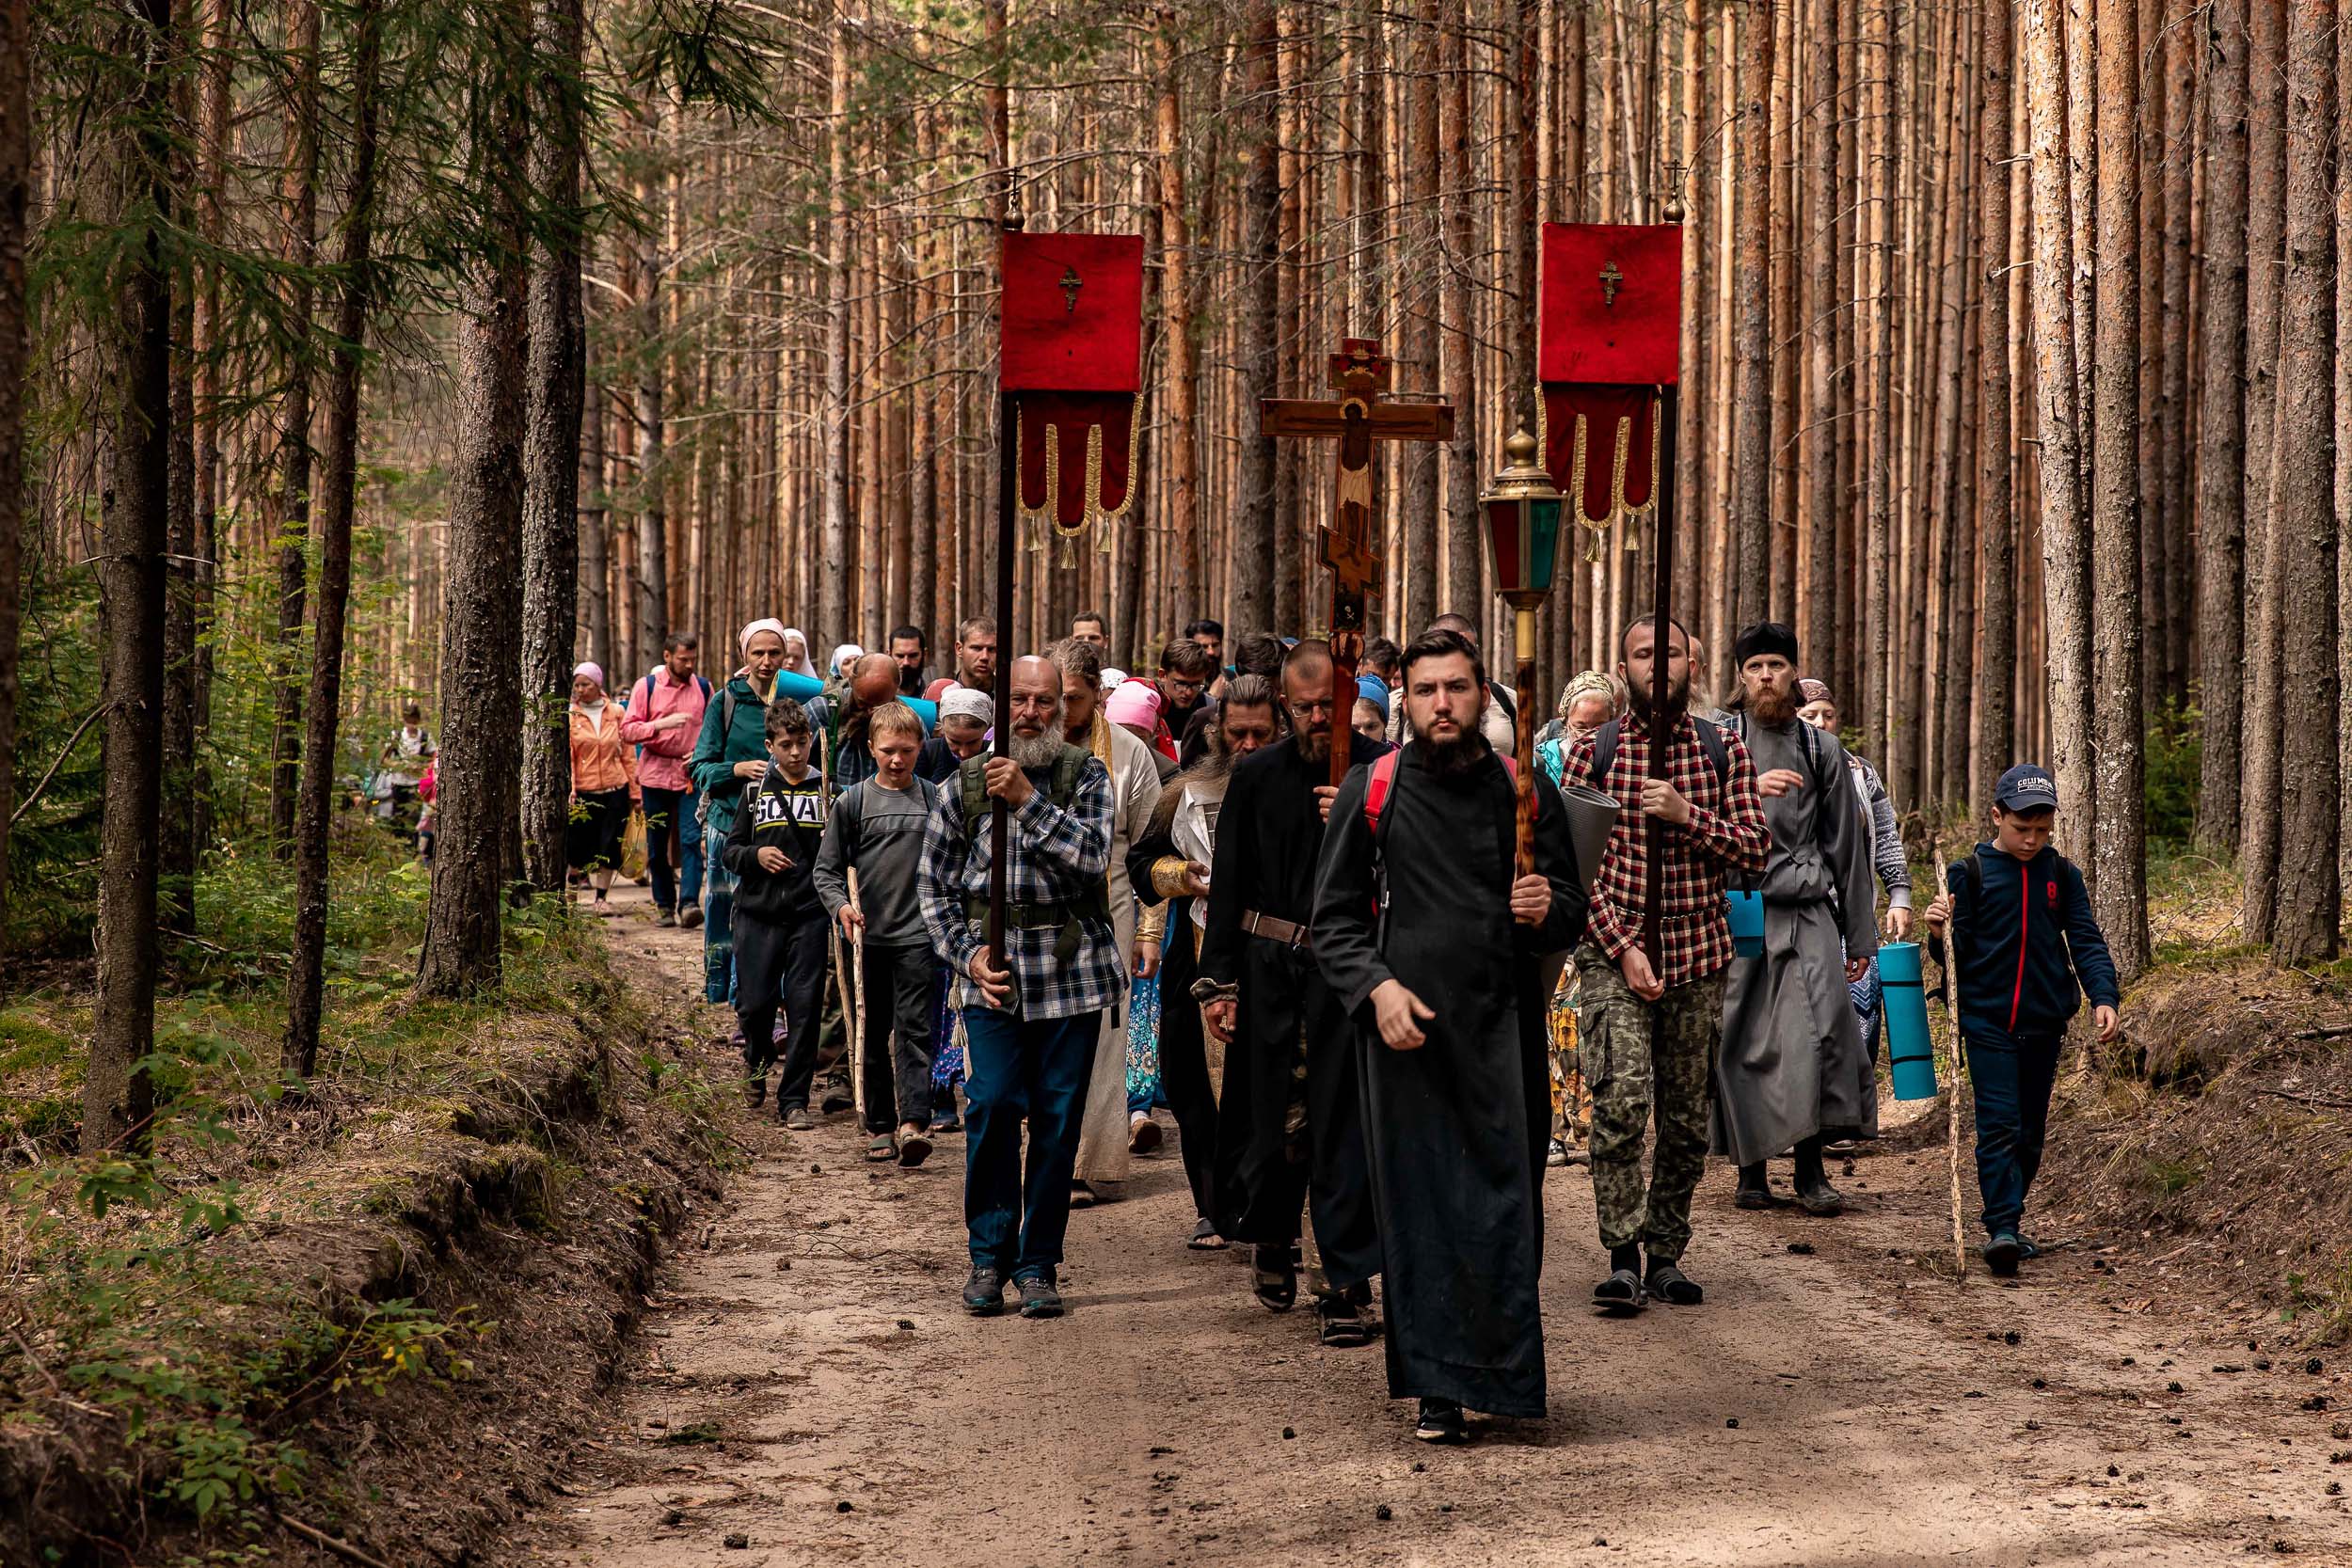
(798, 663)
(966, 702)
(842, 658)
(766, 623)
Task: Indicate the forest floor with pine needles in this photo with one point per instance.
(805, 1389)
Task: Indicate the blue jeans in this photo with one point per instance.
(2013, 1076)
(1017, 1069)
(718, 920)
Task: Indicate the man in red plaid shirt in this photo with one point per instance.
(1647, 1024)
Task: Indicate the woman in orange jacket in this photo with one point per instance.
(604, 782)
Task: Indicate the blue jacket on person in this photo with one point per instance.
(2026, 947)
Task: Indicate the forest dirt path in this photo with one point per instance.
(809, 1385)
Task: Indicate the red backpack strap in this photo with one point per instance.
(1376, 789)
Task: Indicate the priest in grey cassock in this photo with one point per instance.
(1437, 950)
(1792, 1071)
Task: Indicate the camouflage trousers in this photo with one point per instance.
(1644, 1059)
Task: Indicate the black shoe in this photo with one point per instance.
(1441, 1422)
(2002, 1252)
(1670, 1285)
(1039, 1299)
(1814, 1193)
(984, 1292)
(837, 1097)
(1755, 1191)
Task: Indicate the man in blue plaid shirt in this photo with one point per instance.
(1029, 1026)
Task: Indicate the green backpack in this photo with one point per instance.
(1067, 763)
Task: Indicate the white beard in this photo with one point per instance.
(1036, 750)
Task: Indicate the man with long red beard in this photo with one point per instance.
(1434, 942)
(1792, 1070)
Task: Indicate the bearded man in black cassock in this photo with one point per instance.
(1439, 950)
(1290, 1128)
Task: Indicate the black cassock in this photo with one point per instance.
(1267, 838)
(1455, 1129)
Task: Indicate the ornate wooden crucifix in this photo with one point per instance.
(1356, 418)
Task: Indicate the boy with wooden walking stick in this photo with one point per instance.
(866, 874)
(2025, 950)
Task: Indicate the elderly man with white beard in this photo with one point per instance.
(1032, 1012)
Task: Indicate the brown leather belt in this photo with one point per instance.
(1283, 932)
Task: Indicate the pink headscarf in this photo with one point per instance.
(1136, 703)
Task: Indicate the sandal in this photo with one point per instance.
(1205, 1238)
(914, 1147)
(1671, 1286)
(1081, 1195)
(1275, 1286)
(1620, 1295)
(1341, 1323)
(882, 1147)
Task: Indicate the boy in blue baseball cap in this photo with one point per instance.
(2026, 949)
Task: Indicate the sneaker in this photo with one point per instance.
(665, 917)
(2002, 1252)
(690, 917)
(1442, 1422)
(1556, 1153)
(837, 1097)
(797, 1119)
(1039, 1299)
(984, 1292)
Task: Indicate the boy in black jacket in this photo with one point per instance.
(780, 923)
(2025, 948)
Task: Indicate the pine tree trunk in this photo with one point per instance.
(1181, 449)
(651, 621)
(135, 369)
(480, 687)
(1823, 582)
(1253, 533)
(2260, 734)
(2221, 438)
(1751, 390)
(832, 580)
(1996, 519)
(2120, 851)
(1877, 313)
(1462, 380)
(298, 201)
(338, 492)
(2303, 502)
(556, 373)
(2065, 536)
(595, 568)
(16, 169)
(1419, 460)
(178, 851)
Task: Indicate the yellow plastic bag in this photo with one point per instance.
(633, 847)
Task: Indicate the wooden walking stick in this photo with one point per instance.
(1952, 1108)
(855, 1006)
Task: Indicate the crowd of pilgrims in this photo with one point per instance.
(1372, 1034)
